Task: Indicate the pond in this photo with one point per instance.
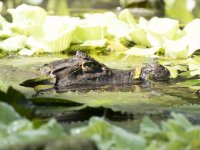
(155, 115)
(121, 105)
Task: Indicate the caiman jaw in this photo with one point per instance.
(125, 77)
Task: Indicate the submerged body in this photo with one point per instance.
(82, 70)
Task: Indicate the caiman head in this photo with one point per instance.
(79, 70)
(84, 70)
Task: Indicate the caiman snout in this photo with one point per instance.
(154, 71)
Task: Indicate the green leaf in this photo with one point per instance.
(160, 29)
(192, 84)
(147, 125)
(178, 10)
(16, 131)
(193, 137)
(18, 101)
(108, 136)
(70, 143)
(177, 144)
(98, 130)
(14, 43)
(54, 129)
(127, 17)
(20, 126)
(177, 126)
(151, 131)
(109, 22)
(28, 19)
(86, 32)
(125, 140)
(20, 132)
(175, 133)
(58, 33)
(176, 49)
(194, 67)
(7, 114)
(163, 26)
(139, 36)
(49, 131)
(192, 31)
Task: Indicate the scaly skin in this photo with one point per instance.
(84, 70)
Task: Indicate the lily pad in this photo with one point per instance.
(136, 102)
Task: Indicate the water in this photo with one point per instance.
(124, 106)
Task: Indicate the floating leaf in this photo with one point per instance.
(132, 102)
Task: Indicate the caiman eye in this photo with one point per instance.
(89, 67)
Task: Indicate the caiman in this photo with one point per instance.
(83, 71)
